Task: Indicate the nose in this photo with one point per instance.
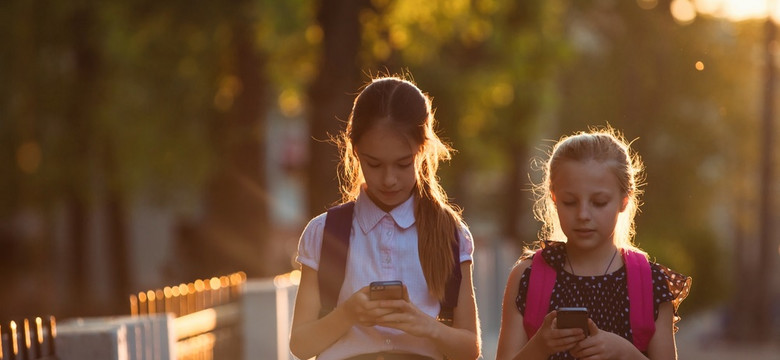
(389, 178)
(583, 212)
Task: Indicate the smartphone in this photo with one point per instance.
(573, 317)
(386, 290)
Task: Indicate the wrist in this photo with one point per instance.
(535, 348)
(345, 314)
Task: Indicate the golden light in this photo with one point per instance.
(199, 285)
(683, 11)
(314, 34)
(699, 65)
(738, 10)
(214, 283)
(290, 103)
(27, 340)
(14, 341)
(229, 87)
(502, 94)
(28, 157)
(399, 36)
(647, 4)
(295, 277)
(39, 329)
(133, 305)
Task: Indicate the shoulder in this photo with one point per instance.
(465, 241)
(310, 243)
(316, 225)
(677, 285)
(512, 289)
(519, 269)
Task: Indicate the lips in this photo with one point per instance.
(584, 232)
(388, 193)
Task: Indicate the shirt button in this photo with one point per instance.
(388, 341)
(389, 233)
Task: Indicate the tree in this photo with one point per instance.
(331, 94)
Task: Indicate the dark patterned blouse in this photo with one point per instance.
(606, 297)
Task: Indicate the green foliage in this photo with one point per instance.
(504, 75)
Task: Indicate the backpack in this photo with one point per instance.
(333, 262)
(640, 296)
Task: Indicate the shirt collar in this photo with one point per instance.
(368, 214)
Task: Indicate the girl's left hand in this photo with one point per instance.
(406, 317)
(599, 345)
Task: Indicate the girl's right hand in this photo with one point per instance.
(554, 340)
(362, 310)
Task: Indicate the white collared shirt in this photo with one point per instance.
(383, 246)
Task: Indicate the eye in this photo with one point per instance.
(569, 203)
(600, 203)
(405, 165)
(373, 165)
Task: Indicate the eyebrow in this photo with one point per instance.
(598, 193)
(373, 158)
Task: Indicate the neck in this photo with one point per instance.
(593, 262)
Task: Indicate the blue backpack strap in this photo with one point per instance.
(333, 255)
(452, 287)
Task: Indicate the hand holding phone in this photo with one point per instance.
(386, 290)
(573, 317)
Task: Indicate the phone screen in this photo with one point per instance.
(386, 290)
(573, 317)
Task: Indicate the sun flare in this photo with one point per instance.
(739, 9)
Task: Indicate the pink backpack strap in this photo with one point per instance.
(537, 299)
(640, 295)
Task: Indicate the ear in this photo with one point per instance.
(625, 203)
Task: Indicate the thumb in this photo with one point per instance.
(592, 328)
(549, 319)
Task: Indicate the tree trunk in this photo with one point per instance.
(232, 235)
(331, 95)
(80, 117)
(761, 326)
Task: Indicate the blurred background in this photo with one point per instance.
(146, 143)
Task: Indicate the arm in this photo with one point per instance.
(311, 335)
(460, 341)
(511, 336)
(663, 345)
(513, 342)
(606, 345)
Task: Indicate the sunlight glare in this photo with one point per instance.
(683, 11)
(738, 10)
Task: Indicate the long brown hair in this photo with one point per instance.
(401, 103)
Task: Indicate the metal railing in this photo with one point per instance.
(206, 313)
(29, 340)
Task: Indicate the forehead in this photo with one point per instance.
(584, 178)
(382, 142)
